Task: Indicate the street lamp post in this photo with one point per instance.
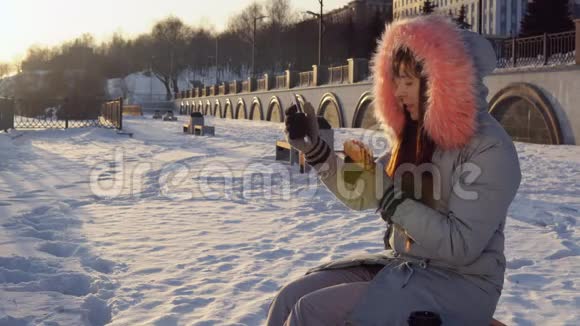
(216, 59)
(320, 17)
(254, 41)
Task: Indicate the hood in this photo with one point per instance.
(454, 62)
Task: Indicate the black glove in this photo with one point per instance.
(301, 128)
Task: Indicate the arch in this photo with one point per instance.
(181, 108)
(526, 114)
(217, 109)
(256, 112)
(331, 110)
(298, 98)
(275, 113)
(241, 112)
(228, 113)
(364, 115)
(208, 108)
(202, 109)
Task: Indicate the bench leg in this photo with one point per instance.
(294, 156)
(304, 167)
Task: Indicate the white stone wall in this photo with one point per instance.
(560, 85)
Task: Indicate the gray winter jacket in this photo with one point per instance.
(461, 237)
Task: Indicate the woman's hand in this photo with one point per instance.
(360, 154)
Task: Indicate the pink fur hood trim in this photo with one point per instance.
(450, 118)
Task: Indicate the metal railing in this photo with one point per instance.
(338, 75)
(542, 50)
(281, 81)
(59, 113)
(306, 78)
(562, 48)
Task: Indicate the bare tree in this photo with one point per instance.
(281, 16)
(37, 58)
(168, 44)
(242, 24)
(5, 69)
(280, 12)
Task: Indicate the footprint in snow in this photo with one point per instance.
(533, 281)
(562, 253)
(519, 263)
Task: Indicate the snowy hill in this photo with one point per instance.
(186, 230)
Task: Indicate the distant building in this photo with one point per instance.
(499, 17)
(575, 8)
(360, 11)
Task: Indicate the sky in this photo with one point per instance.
(24, 23)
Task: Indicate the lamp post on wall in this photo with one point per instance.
(254, 41)
(320, 24)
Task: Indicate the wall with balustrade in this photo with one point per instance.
(535, 103)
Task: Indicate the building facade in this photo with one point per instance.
(575, 8)
(500, 18)
(360, 11)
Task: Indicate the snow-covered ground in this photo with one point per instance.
(172, 229)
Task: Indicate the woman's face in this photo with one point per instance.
(407, 91)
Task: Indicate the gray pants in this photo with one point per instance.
(321, 298)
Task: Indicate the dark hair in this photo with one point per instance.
(404, 58)
(415, 146)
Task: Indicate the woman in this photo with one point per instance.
(444, 189)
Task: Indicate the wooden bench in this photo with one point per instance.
(195, 119)
(200, 130)
(168, 116)
(134, 110)
(285, 152)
